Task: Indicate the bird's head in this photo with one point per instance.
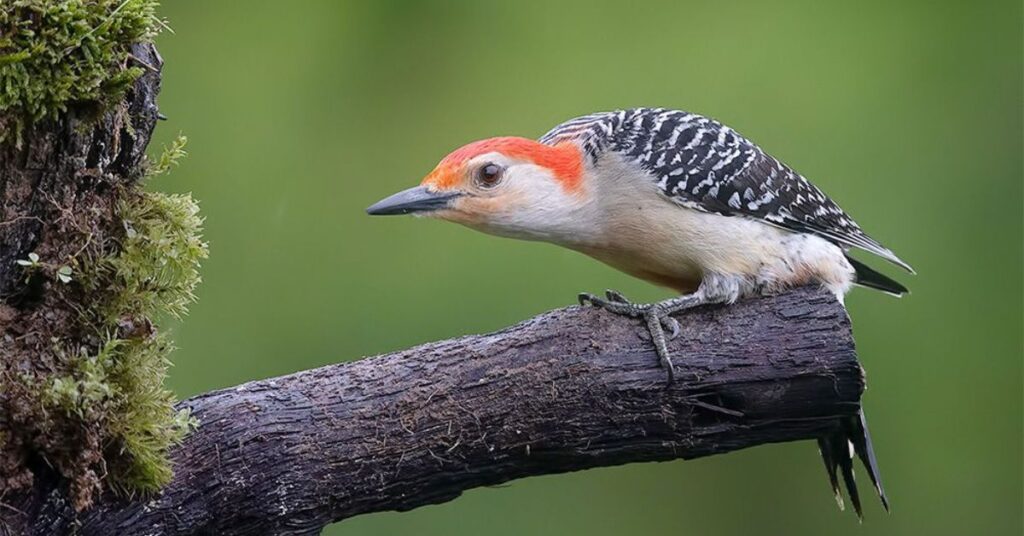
(506, 186)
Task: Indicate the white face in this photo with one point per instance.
(522, 200)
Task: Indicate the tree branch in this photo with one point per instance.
(570, 389)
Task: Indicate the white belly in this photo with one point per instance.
(648, 236)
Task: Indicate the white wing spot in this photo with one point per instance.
(734, 201)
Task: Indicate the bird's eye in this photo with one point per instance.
(489, 175)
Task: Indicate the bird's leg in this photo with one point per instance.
(616, 303)
(657, 316)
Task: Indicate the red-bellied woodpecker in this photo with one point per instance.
(670, 197)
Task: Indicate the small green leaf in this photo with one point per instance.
(64, 274)
(34, 257)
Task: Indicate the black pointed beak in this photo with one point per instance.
(411, 201)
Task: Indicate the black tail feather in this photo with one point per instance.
(861, 439)
(837, 452)
(825, 448)
(846, 466)
(869, 277)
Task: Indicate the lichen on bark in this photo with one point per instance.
(89, 261)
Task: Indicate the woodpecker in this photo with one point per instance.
(673, 198)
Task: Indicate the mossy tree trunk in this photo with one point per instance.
(63, 184)
(75, 164)
(89, 260)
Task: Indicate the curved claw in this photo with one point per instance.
(655, 324)
(615, 296)
(670, 369)
(672, 325)
(586, 298)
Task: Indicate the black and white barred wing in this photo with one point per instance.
(704, 165)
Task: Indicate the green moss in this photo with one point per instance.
(54, 54)
(83, 392)
(145, 423)
(152, 276)
(157, 268)
(121, 389)
(170, 157)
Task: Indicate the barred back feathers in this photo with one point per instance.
(704, 165)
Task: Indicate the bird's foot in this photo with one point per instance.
(656, 316)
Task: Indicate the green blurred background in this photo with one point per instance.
(300, 114)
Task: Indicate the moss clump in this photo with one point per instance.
(153, 275)
(120, 388)
(55, 54)
(156, 270)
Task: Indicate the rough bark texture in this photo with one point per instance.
(54, 165)
(568, 390)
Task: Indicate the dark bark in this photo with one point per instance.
(568, 390)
